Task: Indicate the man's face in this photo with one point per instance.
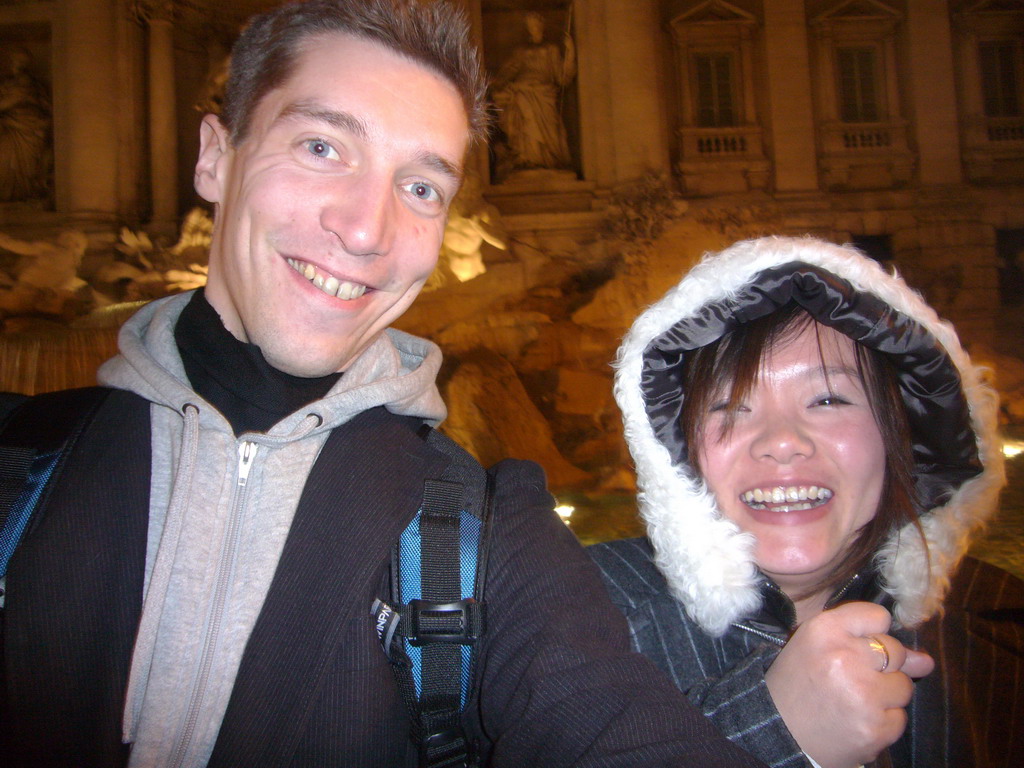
(331, 212)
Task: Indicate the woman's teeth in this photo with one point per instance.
(794, 497)
(329, 284)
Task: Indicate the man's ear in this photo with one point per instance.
(214, 159)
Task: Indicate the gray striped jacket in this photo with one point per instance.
(969, 713)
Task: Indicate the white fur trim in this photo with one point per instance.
(706, 560)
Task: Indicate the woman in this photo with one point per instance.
(814, 450)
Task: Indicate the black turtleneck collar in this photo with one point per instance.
(234, 377)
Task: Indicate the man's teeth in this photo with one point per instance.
(794, 497)
(329, 284)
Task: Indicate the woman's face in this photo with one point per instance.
(802, 468)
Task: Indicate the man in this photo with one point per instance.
(273, 434)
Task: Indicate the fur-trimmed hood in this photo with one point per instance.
(705, 558)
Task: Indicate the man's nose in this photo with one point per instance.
(781, 439)
(362, 216)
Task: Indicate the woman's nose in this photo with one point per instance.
(781, 439)
(362, 216)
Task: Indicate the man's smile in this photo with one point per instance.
(326, 282)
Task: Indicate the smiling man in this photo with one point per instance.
(195, 588)
(330, 214)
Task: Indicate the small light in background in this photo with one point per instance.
(565, 512)
(1013, 448)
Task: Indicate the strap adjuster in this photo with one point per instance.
(460, 622)
(445, 749)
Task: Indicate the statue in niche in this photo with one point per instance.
(24, 131)
(528, 92)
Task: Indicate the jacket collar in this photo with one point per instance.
(777, 614)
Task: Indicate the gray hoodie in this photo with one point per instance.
(220, 510)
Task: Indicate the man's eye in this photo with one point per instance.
(423, 191)
(321, 149)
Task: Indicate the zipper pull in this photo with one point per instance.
(246, 454)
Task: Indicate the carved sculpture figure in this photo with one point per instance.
(472, 221)
(24, 131)
(527, 90)
(45, 279)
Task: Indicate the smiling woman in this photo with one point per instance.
(794, 456)
(814, 450)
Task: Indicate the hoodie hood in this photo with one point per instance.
(958, 465)
(397, 370)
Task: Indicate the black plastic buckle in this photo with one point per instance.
(460, 622)
(447, 748)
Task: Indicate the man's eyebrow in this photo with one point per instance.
(439, 164)
(346, 121)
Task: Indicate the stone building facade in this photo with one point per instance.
(895, 124)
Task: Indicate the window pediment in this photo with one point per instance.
(713, 12)
(993, 17)
(995, 6)
(857, 12)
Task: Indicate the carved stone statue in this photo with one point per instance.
(528, 90)
(24, 131)
(472, 221)
(45, 279)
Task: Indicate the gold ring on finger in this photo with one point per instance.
(878, 645)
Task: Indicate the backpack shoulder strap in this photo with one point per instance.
(438, 615)
(35, 440)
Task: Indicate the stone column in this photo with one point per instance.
(828, 101)
(789, 98)
(933, 92)
(637, 84)
(597, 146)
(970, 73)
(163, 120)
(748, 77)
(87, 172)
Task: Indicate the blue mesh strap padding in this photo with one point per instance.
(21, 468)
(36, 435)
(409, 583)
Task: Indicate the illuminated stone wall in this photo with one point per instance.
(687, 124)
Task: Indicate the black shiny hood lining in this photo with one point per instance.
(944, 443)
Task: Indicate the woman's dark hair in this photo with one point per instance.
(737, 359)
(433, 34)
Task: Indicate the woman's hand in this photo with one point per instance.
(839, 697)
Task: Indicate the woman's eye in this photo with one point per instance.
(423, 191)
(321, 149)
(831, 399)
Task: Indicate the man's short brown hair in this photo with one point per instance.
(435, 35)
